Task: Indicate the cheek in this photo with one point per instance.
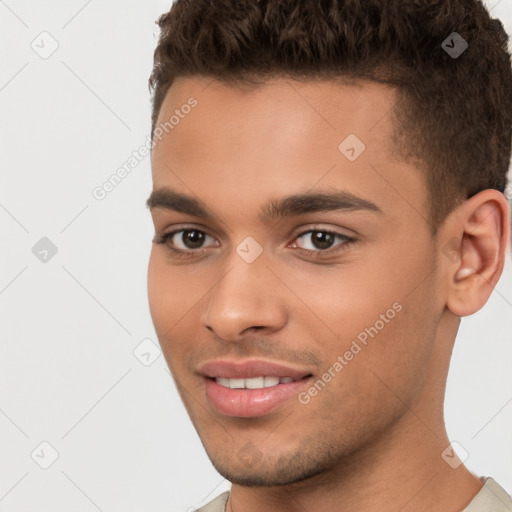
(163, 304)
(156, 286)
(380, 312)
(346, 300)
(175, 296)
(164, 295)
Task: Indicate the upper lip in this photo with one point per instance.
(231, 369)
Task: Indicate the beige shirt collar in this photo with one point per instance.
(491, 498)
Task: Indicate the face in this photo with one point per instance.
(292, 280)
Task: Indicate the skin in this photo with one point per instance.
(378, 425)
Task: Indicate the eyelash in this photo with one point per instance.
(180, 253)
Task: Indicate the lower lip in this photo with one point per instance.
(250, 403)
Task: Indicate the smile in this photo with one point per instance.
(253, 383)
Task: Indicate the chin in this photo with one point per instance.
(266, 471)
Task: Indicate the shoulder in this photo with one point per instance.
(216, 505)
(491, 498)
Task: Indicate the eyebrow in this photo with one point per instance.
(297, 204)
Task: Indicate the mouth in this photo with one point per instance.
(253, 383)
(251, 388)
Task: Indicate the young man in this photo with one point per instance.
(328, 203)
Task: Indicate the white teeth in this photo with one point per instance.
(237, 383)
(253, 383)
(223, 382)
(271, 381)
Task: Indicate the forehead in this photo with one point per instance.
(281, 110)
(280, 136)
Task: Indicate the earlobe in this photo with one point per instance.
(479, 233)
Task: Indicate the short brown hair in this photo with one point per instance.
(453, 118)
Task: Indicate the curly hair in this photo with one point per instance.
(453, 118)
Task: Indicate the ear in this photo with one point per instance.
(474, 247)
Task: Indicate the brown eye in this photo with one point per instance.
(184, 240)
(192, 238)
(321, 240)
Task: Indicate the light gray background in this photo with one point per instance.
(69, 326)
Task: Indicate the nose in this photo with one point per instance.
(244, 299)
